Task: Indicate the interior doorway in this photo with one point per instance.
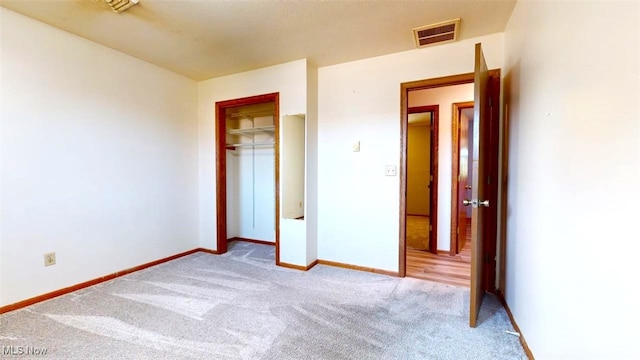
(457, 267)
(435, 265)
(422, 178)
(247, 171)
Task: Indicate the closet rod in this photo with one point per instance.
(251, 114)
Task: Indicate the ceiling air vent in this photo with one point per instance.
(117, 6)
(443, 32)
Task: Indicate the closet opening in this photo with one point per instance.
(247, 166)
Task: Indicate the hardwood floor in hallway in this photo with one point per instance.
(442, 268)
(418, 232)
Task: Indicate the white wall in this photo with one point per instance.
(2, 121)
(311, 174)
(572, 82)
(99, 160)
(290, 80)
(358, 207)
(293, 165)
(445, 97)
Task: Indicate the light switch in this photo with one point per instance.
(390, 170)
(356, 146)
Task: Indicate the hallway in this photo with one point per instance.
(442, 268)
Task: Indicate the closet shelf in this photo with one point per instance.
(253, 130)
(233, 146)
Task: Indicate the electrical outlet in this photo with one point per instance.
(49, 259)
(390, 170)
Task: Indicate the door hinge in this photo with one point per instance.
(458, 230)
(430, 228)
(489, 180)
(486, 258)
(431, 178)
(490, 102)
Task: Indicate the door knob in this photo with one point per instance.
(484, 203)
(467, 202)
(468, 187)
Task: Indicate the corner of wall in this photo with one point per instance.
(312, 163)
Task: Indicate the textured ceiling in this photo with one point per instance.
(202, 39)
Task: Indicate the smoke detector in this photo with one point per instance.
(119, 6)
(440, 33)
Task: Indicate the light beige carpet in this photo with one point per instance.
(241, 306)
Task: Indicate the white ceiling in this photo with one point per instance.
(202, 39)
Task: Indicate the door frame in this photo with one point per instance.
(221, 165)
(455, 169)
(489, 280)
(433, 170)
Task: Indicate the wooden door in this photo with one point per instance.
(464, 185)
(479, 189)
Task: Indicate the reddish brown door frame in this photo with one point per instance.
(433, 187)
(489, 280)
(221, 165)
(455, 169)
